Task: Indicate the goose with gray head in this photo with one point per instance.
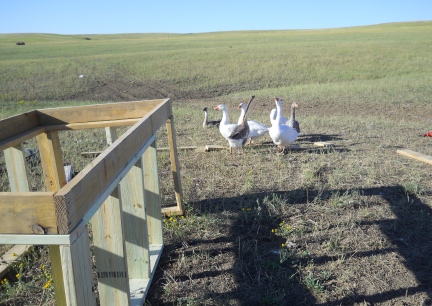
(208, 123)
(235, 133)
(292, 122)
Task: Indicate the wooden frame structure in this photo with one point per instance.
(118, 191)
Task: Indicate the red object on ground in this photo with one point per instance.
(428, 134)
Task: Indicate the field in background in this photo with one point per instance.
(348, 226)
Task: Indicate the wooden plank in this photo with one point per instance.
(101, 198)
(415, 155)
(213, 148)
(75, 199)
(10, 256)
(19, 138)
(27, 213)
(172, 210)
(15, 125)
(51, 160)
(72, 270)
(91, 125)
(323, 144)
(152, 195)
(17, 169)
(53, 170)
(111, 134)
(101, 112)
(140, 287)
(175, 165)
(110, 252)
(134, 215)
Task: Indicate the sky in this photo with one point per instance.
(198, 16)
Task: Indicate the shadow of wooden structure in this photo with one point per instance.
(118, 192)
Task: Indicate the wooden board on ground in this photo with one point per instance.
(10, 256)
(415, 155)
(324, 144)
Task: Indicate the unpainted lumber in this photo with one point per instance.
(98, 112)
(415, 155)
(27, 213)
(110, 252)
(175, 165)
(323, 144)
(18, 124)
(75, 199)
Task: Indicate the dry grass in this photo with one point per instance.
(348, 226)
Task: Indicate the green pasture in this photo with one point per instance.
(390, 62)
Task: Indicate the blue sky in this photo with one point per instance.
(192, 16)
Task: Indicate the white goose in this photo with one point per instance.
(256, 129)
(281, 134)
(292, 122)
(235, 133)
(273, 115)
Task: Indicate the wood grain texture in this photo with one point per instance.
(134, 214)
(152, 195)
(21, 211)
(76, 198)
(175, 165)
(21, 137)
(98, 112)
(18, 124)
(110, 252)
(17, 168)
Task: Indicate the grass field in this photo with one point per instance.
(347, 226)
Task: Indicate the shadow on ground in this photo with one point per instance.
(264, 276)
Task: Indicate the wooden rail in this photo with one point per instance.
(117, 193)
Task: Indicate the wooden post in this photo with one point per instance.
(52, 160)
(152, 195)
(111, 134)
(175, 166)
(67, 262)
(17, 169)
(110, 251)
(134, 214)
(72, 272)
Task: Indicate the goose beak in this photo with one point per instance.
(217, 107)
(295, 104)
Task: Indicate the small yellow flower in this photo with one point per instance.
(47, 285)
(182, 217)
(288, 227)
(273, 230)
(21, 265)
(280, 224)
(18, 275)
(13, 254)
(242, 208)
(283, 244)
(43, 267)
